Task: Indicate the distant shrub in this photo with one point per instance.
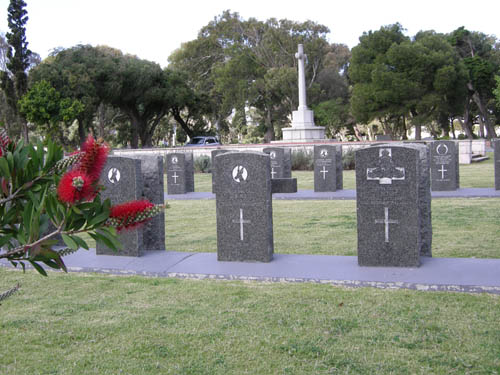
(348, 160)
(302, 161)
(202, 164)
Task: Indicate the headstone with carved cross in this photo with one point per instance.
(327, 168)
(244, 207)
(444, 166)
(388, 206)
(281, 161)
(424, 191)
(496, 160)
(180, 173)
(122, 181)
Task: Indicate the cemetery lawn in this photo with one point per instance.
(462, 228)
(103, 324)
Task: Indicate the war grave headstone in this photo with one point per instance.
(281, 170)
(496, 161)
(244, 207)
(180, 173)
(388, 206)
(444, 166)
(327, 168)
(424, 192)
(153, 190)
(122, 181)
(213, 154)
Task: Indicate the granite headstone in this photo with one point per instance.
(213, 154)
(122, 181)
(327, 168)
(388, 206)
(180, 173)
(444, 166)
(244, 207)
(281, 161)
(496, 160)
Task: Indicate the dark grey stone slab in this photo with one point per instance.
(281, 161)
(424, 191)
(180, 173)
(213, 154)
(283, 185)
(122, 181)
(388, 206)
(244, 207)
(327, 168)
(444, 166)
(496, 161)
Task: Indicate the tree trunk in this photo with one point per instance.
(182, 123)
(452, 127)
(357, 133)
(483, 113)
(418, 132)
(269, 136)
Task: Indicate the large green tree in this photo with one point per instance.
(14, 80)
(482, 61)
(403, 82)
(236, 63)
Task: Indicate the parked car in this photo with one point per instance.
(203, 141)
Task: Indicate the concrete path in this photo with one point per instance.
(435, 274)
(347, 194)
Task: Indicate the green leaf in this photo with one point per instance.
(98, 219)
(69, 241)
(38, 268)
(4, 168)
(80, 242)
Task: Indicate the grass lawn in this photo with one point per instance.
(461, 227)
(102, 324)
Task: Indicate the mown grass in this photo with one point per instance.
(477, 175)
(461, 227)
(101, 324)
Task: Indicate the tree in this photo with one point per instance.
(41, 190)
(142, 90)
(236, 63)
(14, 81)
(43, 106)
(477, 53)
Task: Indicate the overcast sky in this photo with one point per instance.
(153, 29)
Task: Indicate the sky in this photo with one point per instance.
(153, 29)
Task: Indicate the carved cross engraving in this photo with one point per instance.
(386, 222)
(386, 171)
(174, 176)
(241, 221)
(324, 171)
(442, 170)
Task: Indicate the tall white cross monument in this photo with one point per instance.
(303, 128)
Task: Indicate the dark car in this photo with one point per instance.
(203, 141)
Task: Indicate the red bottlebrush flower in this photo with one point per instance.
(4, 141)
(75, 186)
(129, 215)
(94, 158)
